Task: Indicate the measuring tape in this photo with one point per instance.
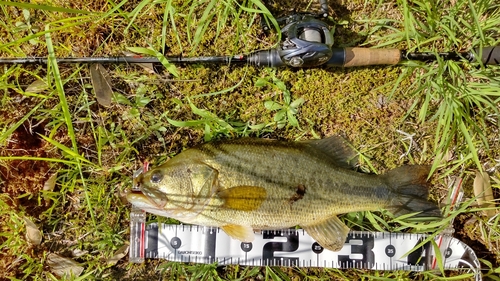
(294, 247)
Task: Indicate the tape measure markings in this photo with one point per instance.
(362, 250)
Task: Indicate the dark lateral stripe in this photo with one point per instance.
(207, 149)
(232, 160)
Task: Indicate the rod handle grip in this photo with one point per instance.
(349, 57)
(490, 55)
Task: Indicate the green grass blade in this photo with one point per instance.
(475, 16)
(68, 151)
(150, 52)
(135, 13)
(77, 21)
(29, 158)
(227, 90)
(60, 90)
(66, 114)
(471, 145)
(438, 257)
(267, 14)
(43, 7)
(203, 24)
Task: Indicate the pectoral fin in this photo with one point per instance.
(239, 232)
(243, 198)
(330, 233)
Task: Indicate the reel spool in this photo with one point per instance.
(307, 42)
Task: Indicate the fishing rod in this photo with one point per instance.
(310, 57)
(306, 42)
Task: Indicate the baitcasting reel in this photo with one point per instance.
(306, 42)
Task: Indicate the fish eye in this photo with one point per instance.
(156, 177)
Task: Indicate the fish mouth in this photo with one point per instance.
(139, 199)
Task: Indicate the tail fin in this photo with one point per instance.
(409, 184)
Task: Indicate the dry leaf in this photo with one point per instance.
(76, 253)
(119, 254)
(101, 83)
(149, 67)
(36, 87)
(484, 193)
(446, 156)
(33, 235)
(63, 267)
(50, 183)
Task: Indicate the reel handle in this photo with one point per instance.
(350, 57)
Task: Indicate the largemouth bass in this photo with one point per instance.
(247, 184)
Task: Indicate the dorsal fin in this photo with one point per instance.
(337, 149)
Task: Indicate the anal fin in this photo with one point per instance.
(239, 232)
(330, 233)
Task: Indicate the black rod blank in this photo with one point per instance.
(131, 59)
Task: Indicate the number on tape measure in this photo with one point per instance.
(270, 248)
(362, 255)
(418, 256)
